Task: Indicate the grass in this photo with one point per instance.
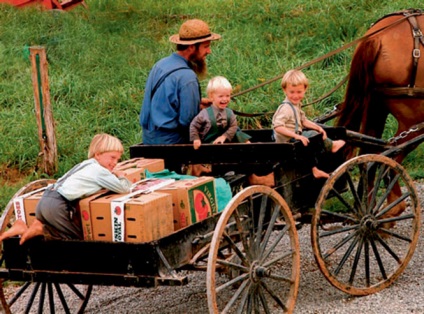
(99, 59)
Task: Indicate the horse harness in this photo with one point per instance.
(418, 37)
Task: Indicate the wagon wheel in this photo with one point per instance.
(365, 227)
(256, 242)
(38, 295)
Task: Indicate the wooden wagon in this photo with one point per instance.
(250, 250)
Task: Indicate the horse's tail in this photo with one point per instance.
(361, 82)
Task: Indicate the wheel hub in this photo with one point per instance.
(257, 272)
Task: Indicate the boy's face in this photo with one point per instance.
(108, 159)
(221, 97)
(295, 93)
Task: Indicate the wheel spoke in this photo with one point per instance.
(232, 265)
(393, 204)
(388, 249)
(236, 249)
(340, 215)
(51, 297)
(273, 295)
(396, 235)
(278, 258)
(387, 193)
(263, 301)
(367, 262)
(242, 233)
(261, 218)
(356, 260)
(338, 245)
(42, 297)
(276, 212)
(337, 231)
(32, 297)
(236, 295)
(346, 255)
(356, 197)
(19, 293)
(378, 258)
(62, 298)
(231, 282)
(377, 184)
(344, 202)
(270, 249)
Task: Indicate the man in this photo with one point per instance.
(172, 95)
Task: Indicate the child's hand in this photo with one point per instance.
(196, 144)
(324, 134)
(303, 139)
(119, 173)
(220, 140)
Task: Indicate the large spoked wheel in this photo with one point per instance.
(25, 297)
(366, 224)
(254, 258)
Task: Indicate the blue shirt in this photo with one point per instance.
(166, 115)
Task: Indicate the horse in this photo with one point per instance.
(387, 77)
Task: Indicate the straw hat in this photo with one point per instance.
(192, 32)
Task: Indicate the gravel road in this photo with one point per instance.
(316, 295)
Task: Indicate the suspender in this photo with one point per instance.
(296, 122)
(160, 81)
(214, 127)
(75, 169)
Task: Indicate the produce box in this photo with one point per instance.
(132, 218)
(24, 205)
(193, 200)
(135, 169)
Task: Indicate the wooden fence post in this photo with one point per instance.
(43, 111)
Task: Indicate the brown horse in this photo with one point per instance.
(387, 77)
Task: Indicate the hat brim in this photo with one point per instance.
(176, 39)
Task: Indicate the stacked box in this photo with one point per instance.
(145, 217)
(193, 200)
(135, 169)
(24, 206)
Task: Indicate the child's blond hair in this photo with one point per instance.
(102, 143)
(216, 83)
(294, 78)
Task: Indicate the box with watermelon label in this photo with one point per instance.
(192, 200)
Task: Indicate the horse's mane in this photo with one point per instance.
(354, 109)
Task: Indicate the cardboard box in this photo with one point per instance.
(135, 169)
(146, 217)
(193, 200)
(30, 204)
(85, 213)
(24, 205)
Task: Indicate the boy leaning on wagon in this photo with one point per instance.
(55, 213)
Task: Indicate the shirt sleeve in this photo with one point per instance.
(281, 116)
(108, 180)
(195, 127)
(189, 97)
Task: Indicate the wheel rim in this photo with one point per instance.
(363, 236)
(260, 251)
(66, 298)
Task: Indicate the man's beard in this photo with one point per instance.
(198, 66)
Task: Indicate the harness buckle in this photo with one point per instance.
(416, 53)
(416, 32)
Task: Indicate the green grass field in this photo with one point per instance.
(99, 59)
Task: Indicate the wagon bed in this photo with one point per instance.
(250, 250)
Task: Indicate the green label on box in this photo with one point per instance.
(202, 201)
